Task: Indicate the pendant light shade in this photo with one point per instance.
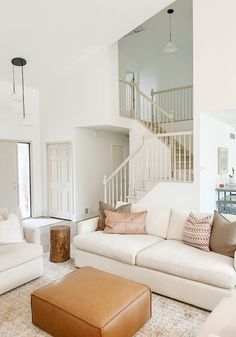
(170, 46)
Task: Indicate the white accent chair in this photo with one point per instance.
(20, 263)
(222, 321)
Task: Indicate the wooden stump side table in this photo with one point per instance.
(59, 243)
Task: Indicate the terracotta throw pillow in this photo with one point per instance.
(223, 236)
(103, 206)
(125, 223)
(197, 231)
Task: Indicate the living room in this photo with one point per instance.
(93, 128)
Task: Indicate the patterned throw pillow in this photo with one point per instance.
(197, 231)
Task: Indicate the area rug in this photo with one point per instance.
(170, 318)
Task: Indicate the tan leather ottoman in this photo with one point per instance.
(91, 303)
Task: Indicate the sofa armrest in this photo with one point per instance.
(88, 226)
(31, 235)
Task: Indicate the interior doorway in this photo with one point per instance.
(59, 180)
(15, 176)
(119, 154)
(24, 179)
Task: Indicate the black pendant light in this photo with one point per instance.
(170, 46)
(19, 62)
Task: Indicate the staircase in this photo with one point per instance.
(163, 156)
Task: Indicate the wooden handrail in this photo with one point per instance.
(170, 90)
(119, 168)
(172, 134)
(154, 104)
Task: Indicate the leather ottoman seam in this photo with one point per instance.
(67, 312)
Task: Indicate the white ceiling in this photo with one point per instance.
(53, 34)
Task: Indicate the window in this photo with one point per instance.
(24, 179)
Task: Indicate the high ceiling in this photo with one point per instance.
(53, 34)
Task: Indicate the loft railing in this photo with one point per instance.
(178, 101)
(136, 105)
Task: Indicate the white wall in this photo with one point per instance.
(157, 69)
(213, 134)
(93, 160)
(172, 195)
(214, 74)
(85, 95)
(214, 54)
(11, 130)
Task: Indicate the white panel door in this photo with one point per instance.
(8, 175)
(60, 180)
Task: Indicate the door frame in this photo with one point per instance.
(30, 166)
(125, 148)
(30, 176)
(70, 143)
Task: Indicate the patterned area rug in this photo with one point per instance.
(170, 318)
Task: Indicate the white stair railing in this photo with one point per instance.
(164, 157)
(116, 186)
(178, 101)
(136, 105)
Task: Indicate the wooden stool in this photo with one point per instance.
(60, 244)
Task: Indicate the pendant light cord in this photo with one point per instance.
(13, 79)
(170, 28)
(23, 91)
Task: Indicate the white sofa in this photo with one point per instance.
(159, 259)
(20, 263)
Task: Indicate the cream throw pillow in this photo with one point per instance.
(10, 230)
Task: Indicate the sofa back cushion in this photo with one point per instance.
(157, 219)
(177, 222)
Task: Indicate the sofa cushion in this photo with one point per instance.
(223, 236)
(177, 223)
(176, 258)
(10, 230)
(119, 247)
(157, 220)
(15, 254)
